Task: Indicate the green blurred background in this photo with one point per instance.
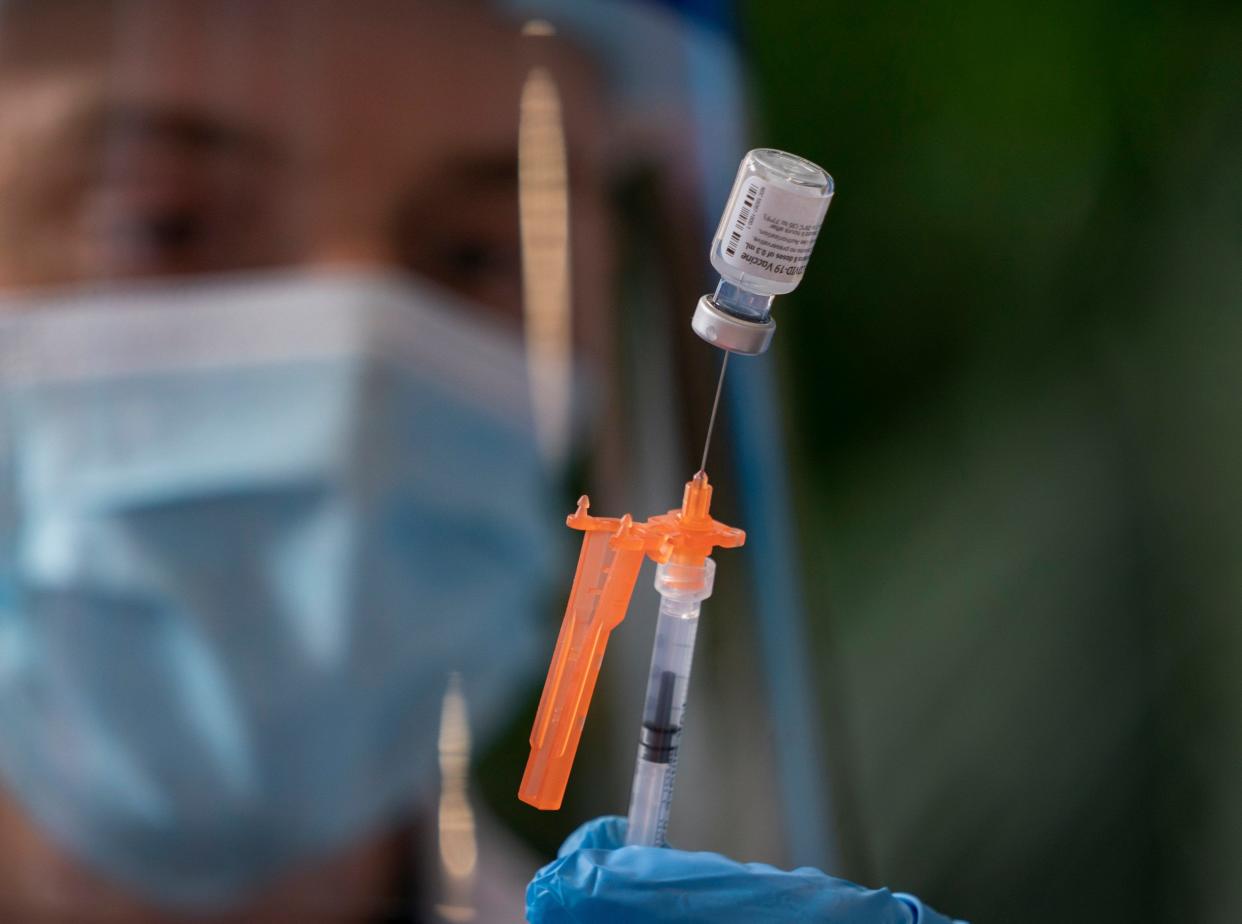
(1015, 407)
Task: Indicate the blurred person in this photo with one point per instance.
(218, 672)
(269, 470)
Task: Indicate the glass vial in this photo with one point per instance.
(767, 231)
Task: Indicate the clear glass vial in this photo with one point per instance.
(762, 246)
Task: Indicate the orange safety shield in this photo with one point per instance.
(612, 553)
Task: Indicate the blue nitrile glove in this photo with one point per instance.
(596, 880)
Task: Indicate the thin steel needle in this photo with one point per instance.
(711, 421)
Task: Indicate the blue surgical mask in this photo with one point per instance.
(246, 532)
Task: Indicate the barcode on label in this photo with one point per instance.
(743, 216)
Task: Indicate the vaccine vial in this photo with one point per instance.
(761, 247)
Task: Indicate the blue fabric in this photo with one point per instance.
(596, 880)
(239, 558)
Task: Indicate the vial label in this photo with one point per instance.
(771, 231)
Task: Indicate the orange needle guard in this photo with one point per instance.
(612, 553)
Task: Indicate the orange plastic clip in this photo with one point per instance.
(612, 553)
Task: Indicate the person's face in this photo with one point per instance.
(151, 138)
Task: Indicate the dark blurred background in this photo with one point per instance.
(1013, 381)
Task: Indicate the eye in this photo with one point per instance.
(471, 261)
(465, 239)
(143, 229)
(170, 233)
(484, 267)
(125, 238)
(170, 195)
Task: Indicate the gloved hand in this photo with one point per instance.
(597, 880)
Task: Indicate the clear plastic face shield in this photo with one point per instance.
(311, 330)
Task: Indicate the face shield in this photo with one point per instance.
(315, 318)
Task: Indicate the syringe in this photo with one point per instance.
(682, 588)
(760, 249)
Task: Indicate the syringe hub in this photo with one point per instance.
(696, 500)
(685, 583)
(761, 247)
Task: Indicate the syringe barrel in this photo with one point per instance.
(682, 588)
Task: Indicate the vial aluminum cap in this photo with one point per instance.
(731, 333)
